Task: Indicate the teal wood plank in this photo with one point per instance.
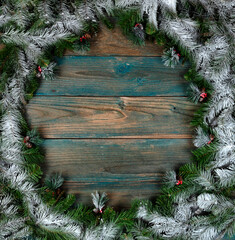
(111, 117)
(124, 168)
(115, 76)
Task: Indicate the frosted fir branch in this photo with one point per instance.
(13, 228)
(11, 140)
(219, 109)
(99, 200)
(5, 8)
(213, 59)
(33, 52)
(7, 206)
(169, 5)
(170, 58)
(45, 12)
(108, 232)
(149, 7)
(103, 6)
(39, 212)
(225, 10)
(46, 218)
(86, 12)
(226, 144)
(142, 213)
(68, 21)
(19, 179)
(170, 179)
(167, 227)
(48, 72)
(127, 3)
(23, 4)
(204, 232)
(4, 19)
(226, 176)
(194, 93)
(224, 205)
(40, 38)
(205, 180)
(17, 37)
(183, 211)
(90, 234)
(206, 201)
(188, 195)
(54, 182)
(13, 96)
(49, 36)
(183, 30)
(201, 138)
(22, 18)
(104, 232)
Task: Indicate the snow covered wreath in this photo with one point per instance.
(198, 201)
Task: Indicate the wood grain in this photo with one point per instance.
(115, 76)
(113, 117)
(113, 42)
(124, 168)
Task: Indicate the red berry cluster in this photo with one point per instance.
(27, 143)
(82, 38)
(203, 95)
(212, 137)
(179, 181)
(39, 69)
(85, 37)
(97, 210)
(177, 53)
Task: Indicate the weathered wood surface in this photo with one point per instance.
(115, 76)
(113, 42)
(125, 168)
(114, 124)
(112, 117)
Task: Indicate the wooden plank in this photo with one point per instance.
(115, 76)
(113, 117)
(113, 42)
(124, 168)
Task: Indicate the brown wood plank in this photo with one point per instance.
(115, 76)
(113, 117)
(113, 42)
(124, 168)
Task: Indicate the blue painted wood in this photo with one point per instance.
(124, 168)
(126, 101)
(112, 117)
(115, 76)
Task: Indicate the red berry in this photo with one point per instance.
(179, 182)
(203, 95)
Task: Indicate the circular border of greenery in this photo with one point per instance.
(196, 202)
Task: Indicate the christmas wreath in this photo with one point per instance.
(197, 202)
